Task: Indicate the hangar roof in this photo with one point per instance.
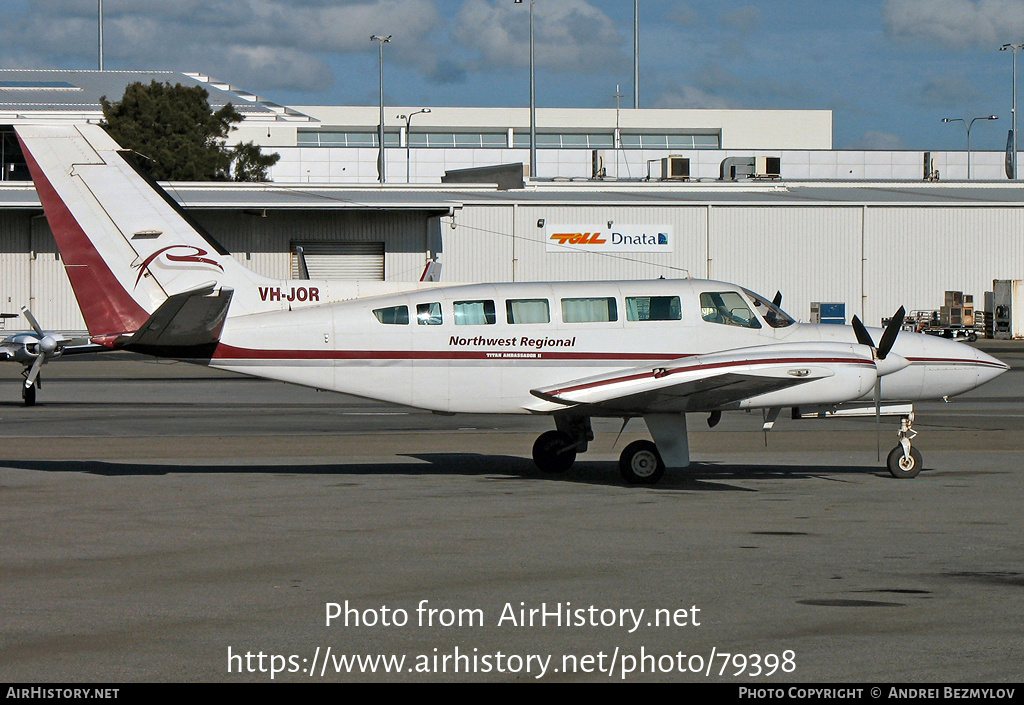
(231, 196)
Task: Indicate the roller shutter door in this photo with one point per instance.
(341, 260)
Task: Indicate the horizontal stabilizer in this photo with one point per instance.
(189, 319)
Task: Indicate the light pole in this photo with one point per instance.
(408, 119)
(99, 12)
(636, 54)
(533, 101)
(381, 41)
(1013, 48)
(968, 126)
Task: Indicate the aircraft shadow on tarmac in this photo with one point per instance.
(698, 477)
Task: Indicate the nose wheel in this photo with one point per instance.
(904, 461)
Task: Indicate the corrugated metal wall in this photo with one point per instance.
(50, 295)
(31, 272)
(916, 254)
(536, 263)
(15, 271)
(872, 258)
(807, 253)
(262, 242)
(480, 247)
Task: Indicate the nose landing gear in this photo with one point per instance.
(904, 461)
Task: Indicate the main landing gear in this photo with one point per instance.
(641, 462)
(904, 461)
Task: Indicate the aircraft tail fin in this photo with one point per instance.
(126, 245)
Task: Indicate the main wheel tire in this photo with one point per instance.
(28, 394)
(553, 452)
(641, 463)
(902, 467)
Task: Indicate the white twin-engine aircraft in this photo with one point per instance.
(148, 279)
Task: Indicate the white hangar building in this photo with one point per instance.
(864, 228)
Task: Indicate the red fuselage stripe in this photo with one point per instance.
(230, 352)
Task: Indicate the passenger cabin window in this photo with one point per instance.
(393, 316)
(653, 308)
(728, 308)
(428, 314)
(474, 313)
(527, 311)
(590, 310)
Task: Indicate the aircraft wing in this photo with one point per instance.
(717, 381)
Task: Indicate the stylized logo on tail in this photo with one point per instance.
(197, 256)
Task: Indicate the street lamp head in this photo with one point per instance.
(992, 117)
(379, 38)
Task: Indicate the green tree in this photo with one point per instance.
(250, 164)
(182, 138)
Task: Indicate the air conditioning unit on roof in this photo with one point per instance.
(675, 167)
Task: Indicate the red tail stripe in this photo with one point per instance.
(106, 306)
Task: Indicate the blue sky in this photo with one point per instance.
(890, 70)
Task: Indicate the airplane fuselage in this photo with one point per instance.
(481, 348)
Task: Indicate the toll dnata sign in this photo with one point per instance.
(616, 238)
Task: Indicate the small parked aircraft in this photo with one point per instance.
(149, 279)
(36, 348)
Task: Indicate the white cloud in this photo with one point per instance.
(873, 139)
(742, 19)
(282, 43)
(689, 97)
(956, 24)
(570, 35)
(947, 91)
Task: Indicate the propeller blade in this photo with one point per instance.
(777, 301)
(32, 320)
(891, 331)
(33, 372)
(863, 337)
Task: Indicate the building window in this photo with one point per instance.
(329, 138)
(521, 140)
(669, 141)
(499, 140)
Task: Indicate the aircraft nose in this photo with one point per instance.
(988, 367)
